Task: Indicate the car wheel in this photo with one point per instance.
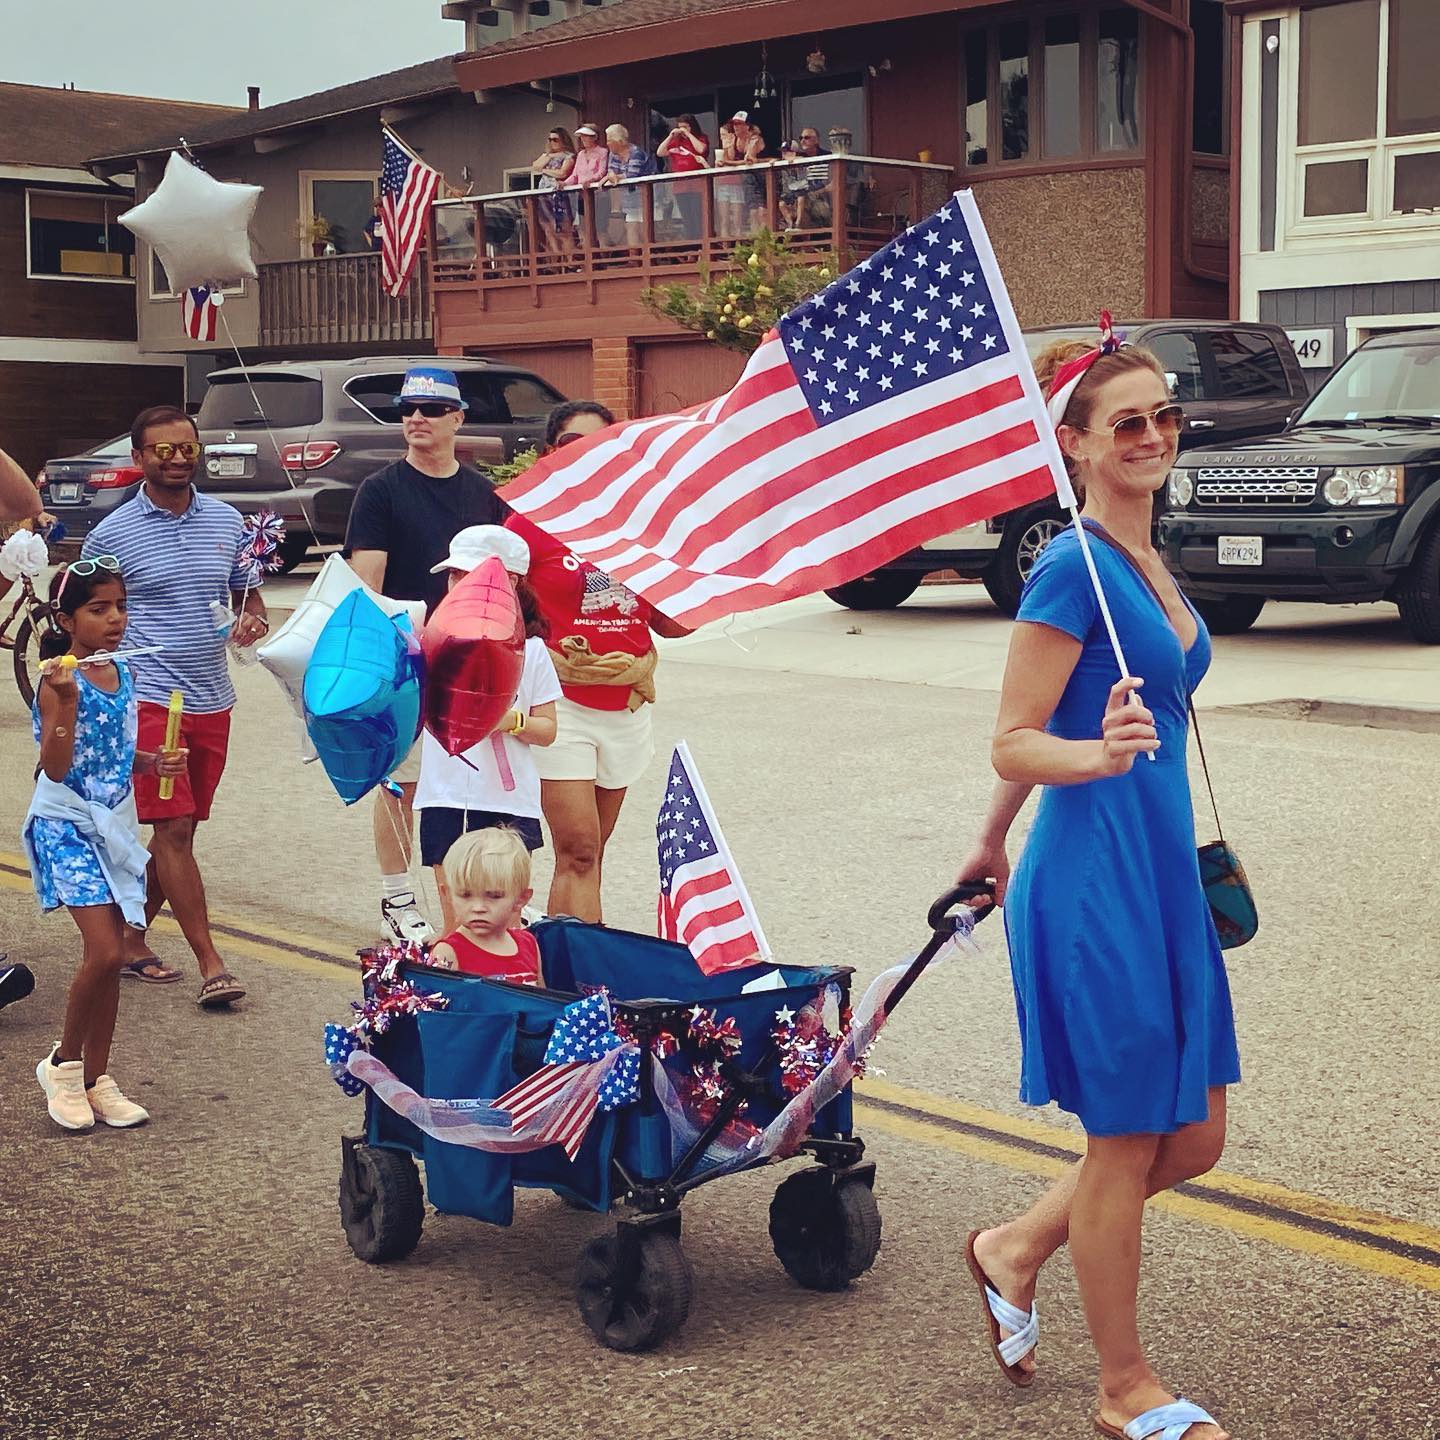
(1025, 537)
(1418, 593)
(882, 590)
(293, 550)
(1231, 615)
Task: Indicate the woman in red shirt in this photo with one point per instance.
(683, 150)
(602, 642)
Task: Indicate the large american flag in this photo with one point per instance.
(895, 406)
(407, 186)
(703, 901)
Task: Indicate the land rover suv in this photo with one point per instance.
(300, 436)
(1234, 380)
(1342, 506)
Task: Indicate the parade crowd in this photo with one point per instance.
(1122, 997)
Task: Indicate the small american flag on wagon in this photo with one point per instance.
(407, 186)
(896, 405)
(703, 901)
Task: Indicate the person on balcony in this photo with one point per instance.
(552, 168)
(592, 165)
(685, 149)
(740, 202)
(628, 162)
(794, 186)
(819, 208)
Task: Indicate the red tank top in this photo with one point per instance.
(523, 967)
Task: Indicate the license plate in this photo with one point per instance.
(65, 494)
(225, 467)
(1242, 550)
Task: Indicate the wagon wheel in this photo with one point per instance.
(825, 1232)
(634, 1311)
(382, 1204)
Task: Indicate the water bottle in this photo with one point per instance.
(224, 618)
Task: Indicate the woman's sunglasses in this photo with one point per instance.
(1169, 421)
(430, 411)
(164, 450)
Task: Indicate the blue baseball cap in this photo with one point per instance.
(429, 383)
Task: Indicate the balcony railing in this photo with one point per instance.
(338, 300)
(670, 227)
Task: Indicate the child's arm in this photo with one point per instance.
(59, 696)
(443, 957)
(540, 725)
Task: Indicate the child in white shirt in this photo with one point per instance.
(460, 793)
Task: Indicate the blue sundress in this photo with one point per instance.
(1121, 991)
(68, 870)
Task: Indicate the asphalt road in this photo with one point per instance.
(191, 1278)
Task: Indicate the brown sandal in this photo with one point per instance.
(219, 990)
(1025, 1329)
(135, 970)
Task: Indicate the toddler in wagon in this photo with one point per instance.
(488, 875)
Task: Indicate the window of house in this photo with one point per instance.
(78, 237)
(1368, 113)
(828, 103)
(1210, 108)
(335, 211)
(1060, 86)
(1248, 366)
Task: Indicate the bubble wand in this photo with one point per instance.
(174, 713)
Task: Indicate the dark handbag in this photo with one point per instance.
(1232, 906)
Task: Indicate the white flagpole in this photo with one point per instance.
(708, 811)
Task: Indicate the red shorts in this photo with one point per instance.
(207, 737)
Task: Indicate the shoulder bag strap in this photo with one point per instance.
(1108, 539)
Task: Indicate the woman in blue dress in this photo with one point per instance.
(1123, 1003)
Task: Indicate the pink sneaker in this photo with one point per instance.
(109, 1105)
(64, 1087)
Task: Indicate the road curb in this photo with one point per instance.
(1421, 719)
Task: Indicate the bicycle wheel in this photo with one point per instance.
(26, 658)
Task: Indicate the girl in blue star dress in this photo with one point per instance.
(81, 833)
(1120, 989)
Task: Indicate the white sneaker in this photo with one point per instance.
(109, 1105)
(64, 1087)
(403, 921)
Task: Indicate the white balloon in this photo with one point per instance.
(198, 226)
(286, 654)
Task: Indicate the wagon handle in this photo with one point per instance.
(939, 917)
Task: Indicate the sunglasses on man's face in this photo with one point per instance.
(165, 451)
(1169, 421)
(429, 410)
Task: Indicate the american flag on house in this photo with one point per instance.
(896, 405)
(407, 186)
(703, 901)
(197, 312)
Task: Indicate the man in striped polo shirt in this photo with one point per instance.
(179, 551)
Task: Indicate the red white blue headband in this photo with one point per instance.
(1072, 372)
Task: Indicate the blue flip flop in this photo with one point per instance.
(1164, 1422)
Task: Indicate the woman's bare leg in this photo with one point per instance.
(572, 814)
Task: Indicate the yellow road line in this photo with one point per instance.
(1361, 1239)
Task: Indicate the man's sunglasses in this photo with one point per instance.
(430, 410)
(569, 437)
(1169, 421)
(166, 450)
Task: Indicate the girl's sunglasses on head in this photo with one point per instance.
(88, 566)
(1169, 421)
(186, 449)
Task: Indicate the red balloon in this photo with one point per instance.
(474, 647)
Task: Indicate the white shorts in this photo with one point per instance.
(610, 747)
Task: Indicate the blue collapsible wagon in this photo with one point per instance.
(633, 1283)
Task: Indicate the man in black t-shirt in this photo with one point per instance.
(401, 525)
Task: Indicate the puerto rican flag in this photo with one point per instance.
(896, 405)
(703, 901)
(197, 312)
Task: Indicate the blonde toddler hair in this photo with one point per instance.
(494, 859)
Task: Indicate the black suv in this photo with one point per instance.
(333, 422)
(1235, 380)
(1343, 506)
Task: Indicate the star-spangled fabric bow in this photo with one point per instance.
(583, 1033)
(339, 1043)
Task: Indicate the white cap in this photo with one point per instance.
(587, 130)
(480, 542)
(743, 116)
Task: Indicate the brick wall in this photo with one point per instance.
(614, 372)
